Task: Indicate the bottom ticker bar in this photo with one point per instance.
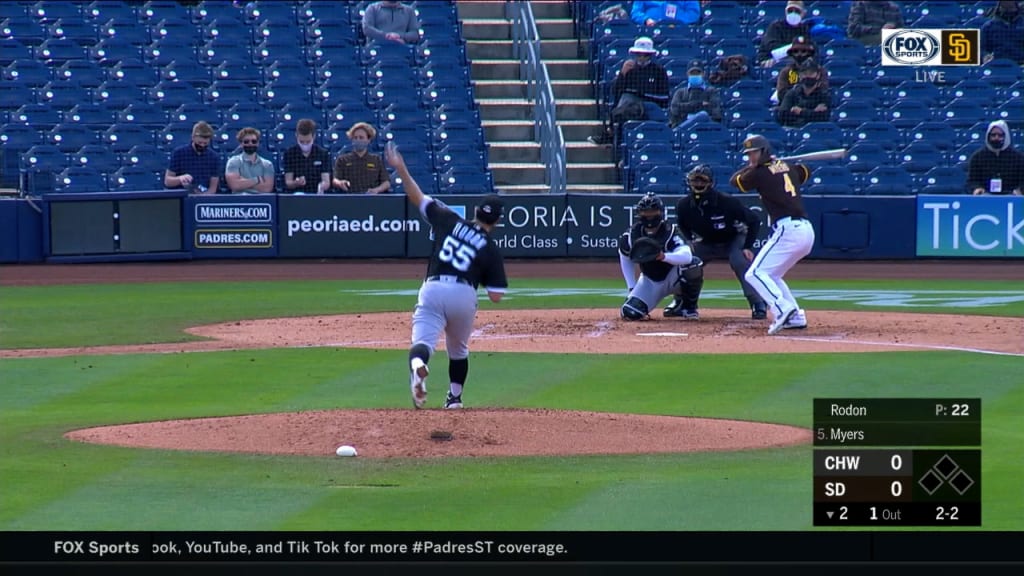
(897, 514)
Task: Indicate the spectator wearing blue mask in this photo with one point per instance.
(359, 171)
(696, 100)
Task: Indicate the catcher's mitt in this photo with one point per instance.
(645, 250)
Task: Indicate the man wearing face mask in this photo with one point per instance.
(867, 20)
(1003, 35)
(781, 33)
(391, 21)
(719, 226)
(789, 76)
(248, 172)
(696, 101)
(808, 102)
(195, 166)
(359, 171)
(307, 166)
(998, 167)
(641, 81)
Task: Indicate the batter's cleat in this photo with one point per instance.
(418, 382)
(758, 312)
(781, 320)
(798, 321)
(452, 402)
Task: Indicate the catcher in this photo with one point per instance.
(667, 266)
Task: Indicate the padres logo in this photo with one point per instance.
(960, 47)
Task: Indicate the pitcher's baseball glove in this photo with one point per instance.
(645, 250)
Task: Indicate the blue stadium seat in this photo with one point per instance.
(938, 133)
(864, 157)
(925, 92)
(980, 90)
(724, 10)
(207, 11)
(280, 93)
(179, 30)
(64, 95)
(143, 114)
(961, 155)
(134, 179)
(835, 11)
(284, 33)
(1010, 111)
(134, 72)
(292, 70)
(165, 51)
(27, 72)
(100, 11)
(830, 180)
(119, 94)
(704, 154)
(891, 76)
(40, 116)
(96, 156)
(22, 29)
(864, 89)
(186, 72)
(38, 167)
(15, 140)
(49, 12)
(905, 114)
(171, 95)
(842, 71)
(889, 180)
(267, 10)
(638, 160)
(74, 29)
(1001, 73)
(664, 179)
(943, 180)
(702, 133)
(69, 137)
(84, 73)
(80, 179)
(920, 157)
(845, 50)
(122, 137)
(939, 15)
(92, 114)
(963, 113)
(222, 49)
(146, 157)
(297, 110)
(120, 32)
(156, 10)
(56, 51)
(464, 181)
(245, 73)
(742, 112)
(823, 135)
(12, 49)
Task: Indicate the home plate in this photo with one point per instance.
(662, 334)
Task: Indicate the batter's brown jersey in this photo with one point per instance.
(778, 184)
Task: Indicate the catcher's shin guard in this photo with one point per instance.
(634, 309)
(690, 284)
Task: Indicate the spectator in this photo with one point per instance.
(641, 81)
(392, 21)
(998, 168)
(671, 13)
(248, 172)
(194, 166)
(867, 20)
(781, 33)
(307, 166)
(808, 102)
(358, 171)
(1003, 35)
(695, 102)
(613, 12)
(789, 76)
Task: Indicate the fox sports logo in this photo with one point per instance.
(911, 47)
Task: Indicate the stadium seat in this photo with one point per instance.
(27, 72)
(842, 71)
(979, 90)
(63, 95)
(844, 50)
(905, 114)
(122, 137)
(49, 12)
(963, 113)
(41, 116)
(664, 179)
(1001, 73)
(80, 179)
(864, 89)
(84, 73)
(464, 181)
(939, 15)
(742, 112)
(864, 157)
(23, 29)
(171, 95)
(76, 29)
(96, 156)
(702, 133)
(1010, 111)
(39, 165)
(135, 179)
(69, 137)
(920, 157)
(143, 114)
(944, 180)
(704, 154)
(101, 11)
(187, 72)
(888, 180)
(925, 92)
(134, 72)
(154, 11)
(92, 114)
(938, 133)
(12, 49)
(892, 76)
(146, 157)
(119, 32)
(56, 51)
(824, 135)
(830, 180)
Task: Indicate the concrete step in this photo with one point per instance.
(521, 109)
(596, 173)
(572, 130)
(554, 9)
(509, 69)
(517, 173)
(514, 151)
(544, 188)
(563, 89)
(587, 153)
(559, 49)
(523, 189)
(471, 10)
(579, 130)
(501, 29)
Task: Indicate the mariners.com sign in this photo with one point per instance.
(931, 47)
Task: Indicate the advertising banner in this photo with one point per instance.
(346, 226)
(970, 226)
(229, 226)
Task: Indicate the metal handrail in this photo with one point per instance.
(526, 48)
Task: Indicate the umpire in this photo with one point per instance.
(718, 226)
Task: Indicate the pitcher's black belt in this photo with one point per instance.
(447, 278)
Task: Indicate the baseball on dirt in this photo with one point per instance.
(345, 451)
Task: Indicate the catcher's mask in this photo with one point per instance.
(700, 178)
(650, 210)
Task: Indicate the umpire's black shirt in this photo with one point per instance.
(715, 219)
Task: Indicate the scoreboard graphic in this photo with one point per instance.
(897, 462)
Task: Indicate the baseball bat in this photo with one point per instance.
(833, 154)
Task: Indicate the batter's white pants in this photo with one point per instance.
(791, 240)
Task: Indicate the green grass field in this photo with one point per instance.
(50, 483)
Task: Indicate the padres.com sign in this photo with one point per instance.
(931, 47)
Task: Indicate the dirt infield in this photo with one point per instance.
(508, 432)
